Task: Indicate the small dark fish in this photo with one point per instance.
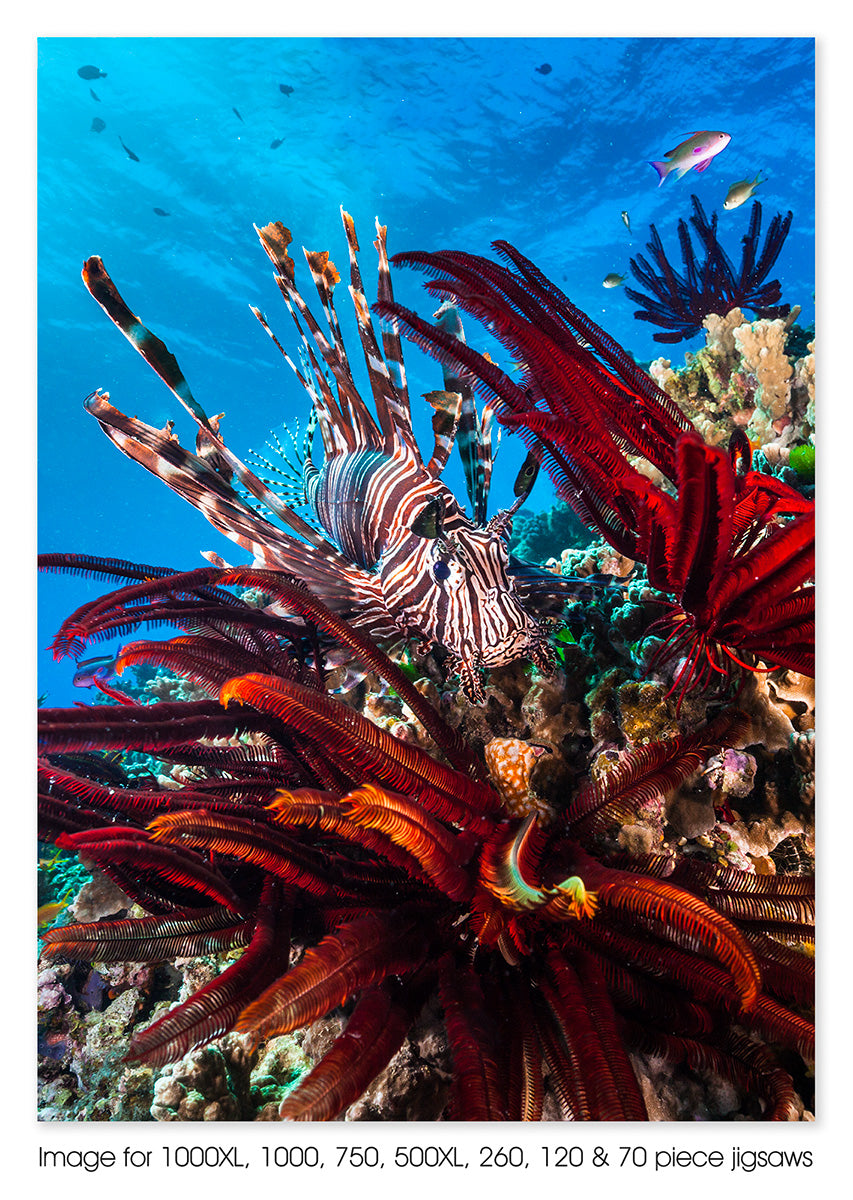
(98, 126)
(128, 151)
(275, 143)
(285, 89)
(161, 212)
(237, 115)
(90, 669)
(94, 95)
(545, 69)
(89, 72)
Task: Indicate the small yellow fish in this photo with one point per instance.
(47, 913)
(694, 154)
(613, 280)
(741, 191)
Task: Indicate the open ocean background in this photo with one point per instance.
(451, 142)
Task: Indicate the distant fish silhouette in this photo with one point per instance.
(161, 212)
(275, 143)
(129, 152)
(89, 72)
(285, 89)
(94, 95)
(545, 69)
(626, 221)
(97, 126)
(237, 115)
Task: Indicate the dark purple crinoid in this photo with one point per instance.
(680, 303)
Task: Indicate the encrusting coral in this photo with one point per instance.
(528, 949)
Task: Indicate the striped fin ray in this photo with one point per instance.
(391, 342)
(292, 471)
(486, 451)
(275, 238)
(336, 434)
(158, 357)
(339, 583)
(474, 450)
(326, 275)
(444, 423)
(394, 419)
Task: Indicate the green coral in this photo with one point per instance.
(536, 537)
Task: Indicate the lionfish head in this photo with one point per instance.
(448, 580)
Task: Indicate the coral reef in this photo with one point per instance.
(745, 377)
(588, 895)
(538, 537)
(470, 876)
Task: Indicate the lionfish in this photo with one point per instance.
(394, 553)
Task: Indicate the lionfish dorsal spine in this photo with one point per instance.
(165, 365)
(473, 433)
(393, 415)
(445, 419)
(391, 342)
(353, 416)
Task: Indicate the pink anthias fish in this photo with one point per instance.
(692, 155)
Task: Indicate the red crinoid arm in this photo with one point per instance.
(778, 1024)
(743, 1062)
(439, 852)
(651, 770)
(205, 661)
(373, 1035)
(322, 810)
(125, 846)
(359, 954)
(212, 1010)
(295, 596)
(153, 727)
(760, 580)
(685, 914)
(445, 793)
(477, 1093)
(584, 1013)
(525, 1089)
(138, 803)
(247, 841)
(788, 974)
(701, 540)
(149, 939)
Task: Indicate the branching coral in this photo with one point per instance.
(680, 303)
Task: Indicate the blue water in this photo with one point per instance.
(450, 142)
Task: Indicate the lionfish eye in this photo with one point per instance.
(441, 570)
